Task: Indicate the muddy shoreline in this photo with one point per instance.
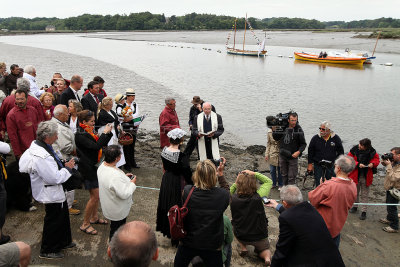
(359, 238)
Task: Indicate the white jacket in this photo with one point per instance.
(115, 191)
(46, 178)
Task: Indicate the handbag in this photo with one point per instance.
(395, 193)
(175, 218)
(74, 181)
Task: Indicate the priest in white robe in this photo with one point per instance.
(207, 126)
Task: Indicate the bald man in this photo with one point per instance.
(133, 244)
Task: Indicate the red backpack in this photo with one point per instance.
(175, 218)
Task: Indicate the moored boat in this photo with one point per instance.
(329, 59)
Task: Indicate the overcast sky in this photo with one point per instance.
(322, 10)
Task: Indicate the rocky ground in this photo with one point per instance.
(363, 243)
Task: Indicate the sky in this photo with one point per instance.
(343, 10)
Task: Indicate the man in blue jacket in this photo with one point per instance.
(323, 150)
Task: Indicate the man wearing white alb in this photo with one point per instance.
(207, 126)
(115, 189)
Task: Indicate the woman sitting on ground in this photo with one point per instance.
(250, 225)
(89, 147)
(47, 102)
(204, 222)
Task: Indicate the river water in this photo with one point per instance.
(359, 101)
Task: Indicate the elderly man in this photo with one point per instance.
(334, 198)
(65, 145)
(323, 150)
(9, 103)
(22, 122)
(47, 175)
(30, 74)
(168, 121)
(207, 126)
(304, 239)
(392, 180)
(72, 91)
(134, 244)
(91, 101)
(292, 145)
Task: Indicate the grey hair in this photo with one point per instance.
(168, 99)
(291, 195)
(23, 84)
(29, 69)
(345, 163)
(133, 251)
(46, 129)
(327, 125)
(59, 109)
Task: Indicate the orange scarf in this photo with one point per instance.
(89, 130)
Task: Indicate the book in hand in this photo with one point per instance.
(208, 133)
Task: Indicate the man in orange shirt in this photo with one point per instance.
(334, 198)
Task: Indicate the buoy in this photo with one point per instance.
(388, 64)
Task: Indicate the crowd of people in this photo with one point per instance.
(62, 138)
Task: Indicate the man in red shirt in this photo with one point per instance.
(334, 198)
(168, 121)
(22, 122)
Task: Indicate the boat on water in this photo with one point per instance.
(328, 58)
(243, 52)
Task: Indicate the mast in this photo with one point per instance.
(234, 36)
(244, 38)
(376, 43)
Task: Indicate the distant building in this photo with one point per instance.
(50, 28)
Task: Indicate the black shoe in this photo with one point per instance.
(136, 166)
(51, 256)
(353, 210)
(4, 239)
(71, 245)
(363, 215)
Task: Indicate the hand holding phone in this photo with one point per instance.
(265, 200)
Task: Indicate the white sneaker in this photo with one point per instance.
(279, 189)
(32, 208)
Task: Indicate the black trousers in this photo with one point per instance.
(56, 228)
(129, 152)
(211, 258)
(114, 225)
(3, 203)
(392, 215)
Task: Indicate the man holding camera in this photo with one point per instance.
(391, 183)
(324, 148)
(293, 144)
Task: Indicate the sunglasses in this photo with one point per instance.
(322, 129)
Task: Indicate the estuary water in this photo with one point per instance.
(359, 101)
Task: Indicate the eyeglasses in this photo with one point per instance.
(322, 129)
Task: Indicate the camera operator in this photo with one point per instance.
(323, 150)
(293, 144)
(392, 180)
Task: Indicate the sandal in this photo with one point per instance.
(99, 221)
(389, 229)
(87, 231)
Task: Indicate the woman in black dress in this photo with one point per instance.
(89, 146)
(177, 174)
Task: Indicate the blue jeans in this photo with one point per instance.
(228, 251)
(319, 171)
(273, 170)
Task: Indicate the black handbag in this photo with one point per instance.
(74, 182)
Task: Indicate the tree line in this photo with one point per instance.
(193, 21)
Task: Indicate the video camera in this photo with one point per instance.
(280, 121)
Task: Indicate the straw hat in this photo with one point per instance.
(130, 91)
(119, 97)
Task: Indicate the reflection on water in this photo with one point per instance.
(359, 102)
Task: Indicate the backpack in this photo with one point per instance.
(175, 218)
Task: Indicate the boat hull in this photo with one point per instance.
(331, 60)
(245, 52)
